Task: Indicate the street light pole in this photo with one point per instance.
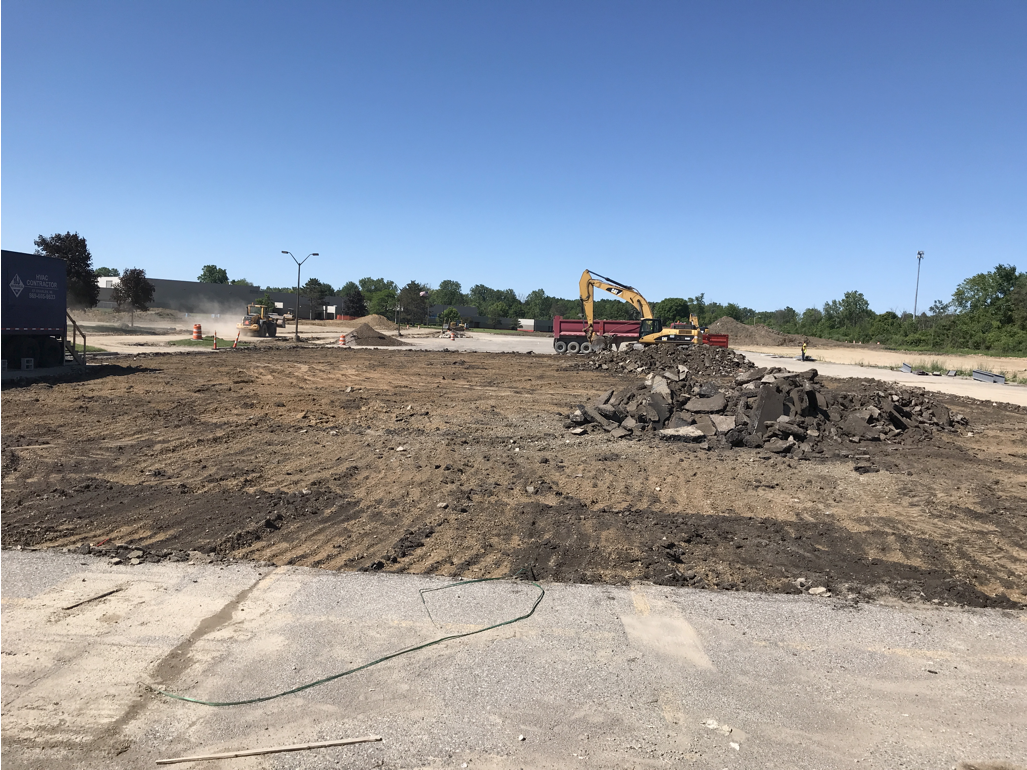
(916, 296)
(299, 264)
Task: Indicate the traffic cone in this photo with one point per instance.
(236, 343)
(215, 339)
(342, 340)
(452, 334)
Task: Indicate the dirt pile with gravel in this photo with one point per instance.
(375, 321)
(365, 335)
(717, 398)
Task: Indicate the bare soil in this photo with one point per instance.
(368, 336)
(744, 335)
(460, 464)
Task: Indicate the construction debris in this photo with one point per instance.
(718, 399)
(982, 376)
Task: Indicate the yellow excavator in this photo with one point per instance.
(651, 331)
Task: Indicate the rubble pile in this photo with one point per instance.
(773, 409)
(702, 360)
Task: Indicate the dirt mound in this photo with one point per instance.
(379, 322)
(744, 334)
(366, 335)
(717, 398)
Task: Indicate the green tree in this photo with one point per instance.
(212, 274)
(413, 298)
(241, 282)
(496, 312)
(348, 288)
(133, 290)
(538, 305)
(353, 303)
(671, 310)
(697, 305)
(83, 286)
(482, 297)
(448, 293)
(810, 318)
(985, 289)
(855, 310)
(449, 315)
(382, 303)
(316, 292)
(785, 317)
(267, 302)
(1018, 303)
(106, 272)
(372, 286)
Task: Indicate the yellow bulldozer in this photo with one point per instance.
(258, 322)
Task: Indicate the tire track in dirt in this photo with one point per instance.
(194, 452)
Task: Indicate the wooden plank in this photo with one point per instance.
(272, 750)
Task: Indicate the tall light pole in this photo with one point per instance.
(919, 257)
(298, 266)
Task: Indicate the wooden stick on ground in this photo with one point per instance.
(274, 750)
(93, 599)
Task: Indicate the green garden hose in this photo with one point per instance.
(390, 656)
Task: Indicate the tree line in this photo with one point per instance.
(987, 311)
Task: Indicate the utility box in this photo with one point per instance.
(33, 313)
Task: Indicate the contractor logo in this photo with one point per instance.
(17, 285)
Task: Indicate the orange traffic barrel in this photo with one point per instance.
(197, 332)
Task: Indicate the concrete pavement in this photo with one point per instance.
(600, 676)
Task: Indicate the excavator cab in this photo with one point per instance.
(650, 326)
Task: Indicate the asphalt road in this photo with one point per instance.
(599, 677)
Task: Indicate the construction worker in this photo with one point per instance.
(805, 341)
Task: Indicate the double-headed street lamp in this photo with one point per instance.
(299, 264)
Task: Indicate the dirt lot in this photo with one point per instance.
(461, 464)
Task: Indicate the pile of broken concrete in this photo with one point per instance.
(773, 409)
(706, 360)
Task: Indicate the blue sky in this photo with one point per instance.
(766, 153)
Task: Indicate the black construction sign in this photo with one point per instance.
(35, 294)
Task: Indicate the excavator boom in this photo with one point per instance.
(590, 282)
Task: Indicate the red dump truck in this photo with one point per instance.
(569, 334)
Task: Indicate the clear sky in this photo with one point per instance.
(766, 153)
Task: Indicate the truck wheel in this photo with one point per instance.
(586, 347)
(573, 347)
(560, 346)
(272, 330)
